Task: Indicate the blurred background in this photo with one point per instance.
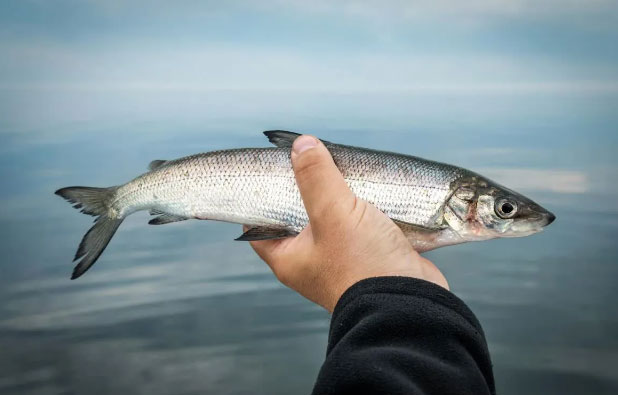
(525, 92)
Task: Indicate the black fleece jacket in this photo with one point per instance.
(400, 335)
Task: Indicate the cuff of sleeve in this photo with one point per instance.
(406, 286)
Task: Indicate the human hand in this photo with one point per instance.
(347, 239)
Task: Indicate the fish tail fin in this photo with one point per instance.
(96, 202)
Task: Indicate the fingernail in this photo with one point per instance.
(303, 143)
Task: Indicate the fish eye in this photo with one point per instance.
(506, 208)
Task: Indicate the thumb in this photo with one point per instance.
(325, 194)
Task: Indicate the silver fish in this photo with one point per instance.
(435, 204)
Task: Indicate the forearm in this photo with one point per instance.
(401, 335)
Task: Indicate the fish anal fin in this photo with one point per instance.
(155, 164)
(265, 233)
(285, 139)
(166, 219)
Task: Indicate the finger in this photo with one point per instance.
(284, 255)
(270, 251)
(266, 249)
(325, 194)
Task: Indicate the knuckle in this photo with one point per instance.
(283, 275)
(278, 268)
(359, 212)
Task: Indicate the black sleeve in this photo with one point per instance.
(400, 335)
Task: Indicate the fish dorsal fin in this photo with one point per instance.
(281, 138)
(285, 139)
(155, 164)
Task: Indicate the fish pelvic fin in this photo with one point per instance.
(96, 202)
(265, 233)
(166, 219)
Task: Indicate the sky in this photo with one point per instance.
(495, 74)
(344, 46)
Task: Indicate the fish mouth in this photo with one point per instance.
(538, 216)
(542, 217)
(534, 223)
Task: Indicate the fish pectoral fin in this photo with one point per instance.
(166, 219)
(409, 227)
(265, 233)
(285, 139)
(155, 164)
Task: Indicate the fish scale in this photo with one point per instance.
(256, 186)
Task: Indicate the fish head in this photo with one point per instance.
(480, 209)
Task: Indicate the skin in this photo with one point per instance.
(347, 239)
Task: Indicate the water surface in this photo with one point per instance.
(183, 309)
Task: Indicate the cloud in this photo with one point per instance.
(558, 181)
(244, 67)
(464, 10)
(398, 9)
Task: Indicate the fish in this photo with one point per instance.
(435, 204)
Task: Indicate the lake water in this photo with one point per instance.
(184, 309)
